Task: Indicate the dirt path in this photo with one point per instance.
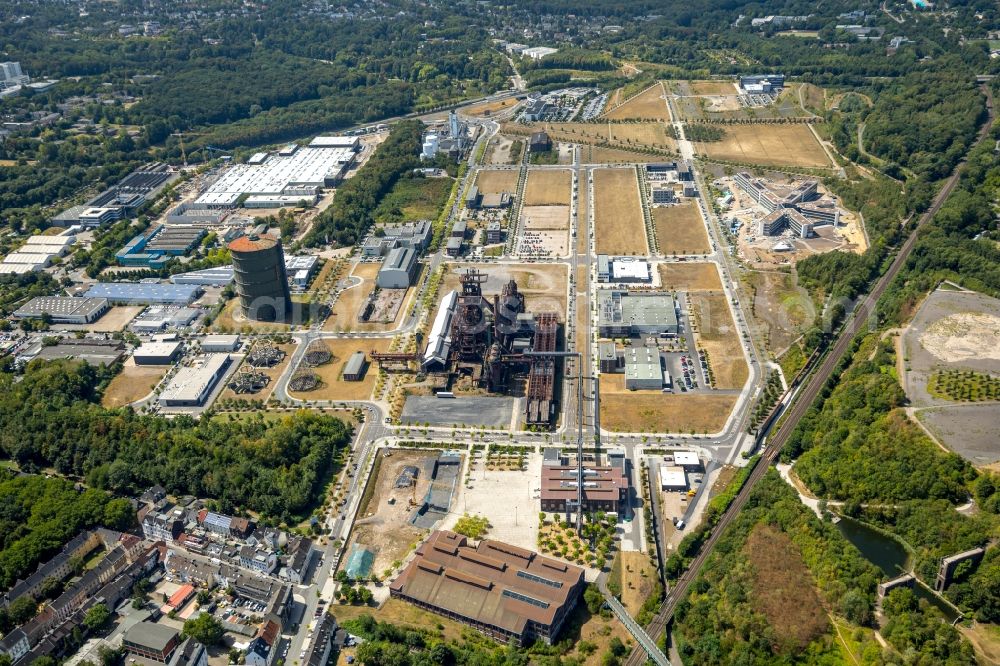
(843, 642)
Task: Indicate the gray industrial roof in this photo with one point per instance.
(355, 363)
(399, 258)
(61, 306)
(153, 636)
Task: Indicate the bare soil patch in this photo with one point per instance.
(489, 108)
(617, 213)
(116, 319)
(545, 217)
(680, 229)
(384, 526)
(712, 87)
(963, 337)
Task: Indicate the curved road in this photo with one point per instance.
(810, 390)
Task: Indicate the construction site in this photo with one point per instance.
(496, 345)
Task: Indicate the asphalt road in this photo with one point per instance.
(811, 388)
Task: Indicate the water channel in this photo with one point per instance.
(891, 557)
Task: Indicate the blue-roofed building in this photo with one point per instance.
(135, 293)
(154, 248)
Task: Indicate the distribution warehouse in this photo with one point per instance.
(299, 173)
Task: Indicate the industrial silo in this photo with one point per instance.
(260, 278)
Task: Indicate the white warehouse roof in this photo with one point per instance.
(686, 458)
(629, 269)
(672, 476)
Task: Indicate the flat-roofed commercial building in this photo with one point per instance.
(64, 309)
(643, 369)
(42, 259)
(299, 174)
(623, 313)
(218, 276)
(672, 477)
(687, 459)
(605, 488)
(504, 591)
(220, 343)
(191, 387)
(157, 353)
(137, 293)
(629, 269)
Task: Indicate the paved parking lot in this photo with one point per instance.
(471, 411)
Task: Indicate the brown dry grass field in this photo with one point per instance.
(698, 276)
(492, 181)
(768, 145)
(274, 373)
(548, 188)
(648, 104)
(489, 108)
(680, 229)
(332, 386)
(641, 135)
(638, 579)
(132, 383)
(231, 320)
(784, 591)
(712, 87)
(717, 334)
(116, 319)
(985, 638)
(543, 286)
(344, 316)
(620, 229)
(653, 411)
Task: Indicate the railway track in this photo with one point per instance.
(811, 388)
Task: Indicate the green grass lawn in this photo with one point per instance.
(414, 199)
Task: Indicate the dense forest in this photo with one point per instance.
(860, 446)
(353, 209)
(780, 577)
(52, 419)
(38, 515)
